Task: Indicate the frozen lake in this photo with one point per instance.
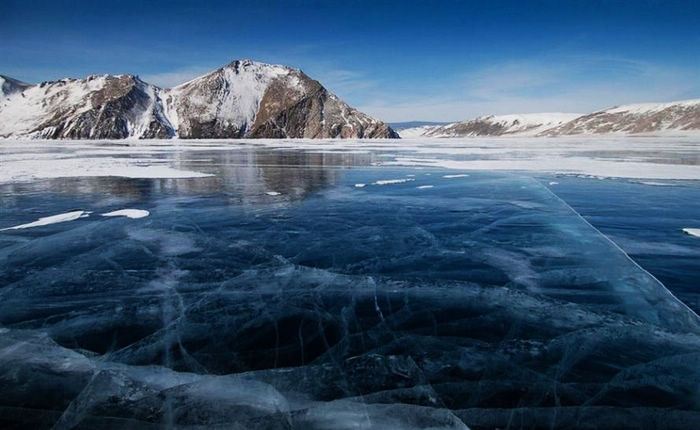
(458, 284)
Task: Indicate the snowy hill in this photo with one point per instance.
(635, 118)
(242, 99)
(494, 125)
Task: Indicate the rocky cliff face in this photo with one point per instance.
(242, 99)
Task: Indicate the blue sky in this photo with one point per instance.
(397, 60)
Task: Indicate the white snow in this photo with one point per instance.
(656, 183)
(28, 167)
(129, 213)
(455, 176)
(237, 104)
(393, 181)
(359, 185)
(424, 187)
(53, 219)
(645, 108)
(692, 231)
(416, 132)
(272, 193)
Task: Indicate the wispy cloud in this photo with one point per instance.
(571, 84)
(341, 81)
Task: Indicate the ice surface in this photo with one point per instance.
(484, 303)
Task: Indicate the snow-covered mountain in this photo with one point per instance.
(97, 107)
(242, 99)
(494, 125)
(681, 116)
(635, 118)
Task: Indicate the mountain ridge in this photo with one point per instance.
(243, 99)
(621, 120)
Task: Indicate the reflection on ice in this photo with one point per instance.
(483, 303)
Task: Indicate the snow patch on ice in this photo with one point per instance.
(29, 169)
(53, 219)
(359, 185)
(393, 181)
(272, 193)
(455, 176)
(656, 184)
(564, 166)
(692, 231)
(129, 213)
(424, 187)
